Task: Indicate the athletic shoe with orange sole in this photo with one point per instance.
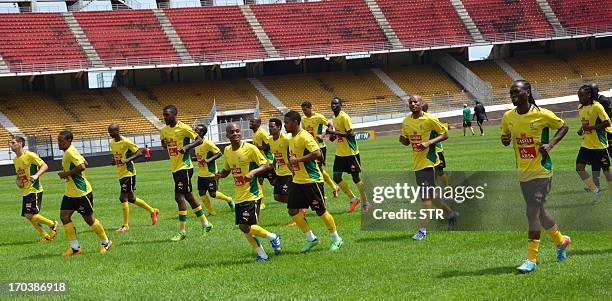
(154, 216)
(354, 204)
(70, 251)
(104, 247)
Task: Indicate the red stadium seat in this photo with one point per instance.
(582, 13)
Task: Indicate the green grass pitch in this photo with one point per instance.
(145, 264)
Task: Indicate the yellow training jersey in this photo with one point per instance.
(280, 151)
(176, 137)
(419, 130)
(304, 172)
(261, 137)
(239, 162)
(529, 131)
(314, 125)
(205, 151)
(439, 147)
(345, 146)
(26, 166)
(594, 114)
(77, 184)
(123, 149)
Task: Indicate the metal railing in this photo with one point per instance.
(300, 52)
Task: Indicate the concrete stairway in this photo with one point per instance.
(467, 20)
(551, 17)
(3, 67)
(174, 38)
(142, 109)
(270, 97)
(82, 40)
(383, 23)
(393, 86)
(259, 31)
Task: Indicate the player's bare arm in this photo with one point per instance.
(261, 169)
(77, 169)
(139, 153)
(309, 157)
(197, 142)
(213, 158)
(545, 148)
(42, 169)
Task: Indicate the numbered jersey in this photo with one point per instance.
(239, 162)
(123, 149)
(529, 131)
(26, 166)
(419, 130)
(176, 137)
(301, 145)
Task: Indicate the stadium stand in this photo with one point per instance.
(39, 41)
(215, 33)
(592, 63)
(361, 91)
(345, 25)
(127, 34)
(494, 18)
(195, 100)
(581, 13)
(87, 113)
(425, 22)
(491, 72)
(4, 135)
(542, 68)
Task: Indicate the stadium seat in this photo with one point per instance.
(425, 23)
(496, 18)
(215, 33)
(543, 68)
(4, 134)
(195, 100)
(500, 82)
(39, 41)
(122, 36)
(592, 63)
(87, 113)
(320, 27)
(361, 91)
(583, 13)
(429, 81)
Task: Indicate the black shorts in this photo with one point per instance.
(426, 178)
(31, 203)
(128, 184)
(302, 196)
(247, 213)
(281, 185)
(440, 167)
(207, 184)
(270, 175)
(82, 205)
(321, 160)
(593, 157)
(536, 190)
(467, 123)
(348, 164)
(182, 181)
(479, 121)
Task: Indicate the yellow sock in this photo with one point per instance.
(589, 183)
(300, 221)
(142, 204)
(444, 178)
(328, 219)
(70, 231)
(126, 213)
(556, 235)
(251, 240)
(40, 219)
(220, 196)
(199, 213)
(441, 205)
(364, 196)
(208, 205)
(532, 249)
(97, 227)
(37, 227)
(182, 220)
(425, 205)
(344, 187)
(258, 231)
(329, 180)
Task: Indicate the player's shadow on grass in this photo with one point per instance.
(483, 272)
(405, 236)
(19, 243)
(581, 252)
(40, 256)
